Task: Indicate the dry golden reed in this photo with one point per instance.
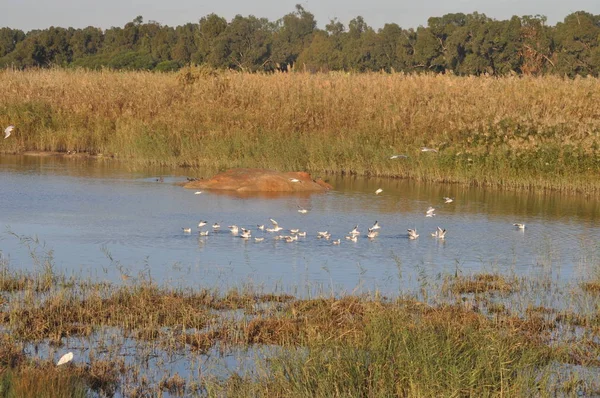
(520, 132)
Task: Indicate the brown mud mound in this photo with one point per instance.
(261, 180)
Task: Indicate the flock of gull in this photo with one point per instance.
(292, 235)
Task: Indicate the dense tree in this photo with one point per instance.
(293, 33)
(464, 44)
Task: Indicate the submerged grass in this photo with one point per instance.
(351, 345)
(519, 132)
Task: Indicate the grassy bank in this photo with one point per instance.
(511, 132)
(475, 335)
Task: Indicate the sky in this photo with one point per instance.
(41, 14)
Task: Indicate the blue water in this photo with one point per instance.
(103, 219)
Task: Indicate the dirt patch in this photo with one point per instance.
(261, 180)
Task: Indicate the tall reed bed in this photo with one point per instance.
(518, 132)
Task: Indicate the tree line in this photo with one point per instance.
(463, 44)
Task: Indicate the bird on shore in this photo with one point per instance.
(425, 149)
(448, 200)
(8, 131)
(378, 191)
(412, 234)
(401, 156)
(68, 357)
(519, 225)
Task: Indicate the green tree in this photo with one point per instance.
(293, 33)
(578, 50)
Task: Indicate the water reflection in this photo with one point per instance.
(90, 211)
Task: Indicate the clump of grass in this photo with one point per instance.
(401, 351)
(482, 283)
(509, 132)
(591, 287)
(45, 382)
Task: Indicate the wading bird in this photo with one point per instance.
(68, 357)
(302, 210)
(430, 212)
(412, 234)
(8, 131)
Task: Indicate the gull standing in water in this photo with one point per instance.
(302, 210)
(412, 234)
(8, 131)
(234, 229)
(261, 227)
(439, 233)
(519, 225)
(201, 224)
(203, 233)
(187, 230)
(372, 234)
(216, 225)
(355, 231)
(276, 226)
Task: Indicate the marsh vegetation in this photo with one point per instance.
(509, 132)
(484, 334)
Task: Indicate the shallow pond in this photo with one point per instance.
(105, 220)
